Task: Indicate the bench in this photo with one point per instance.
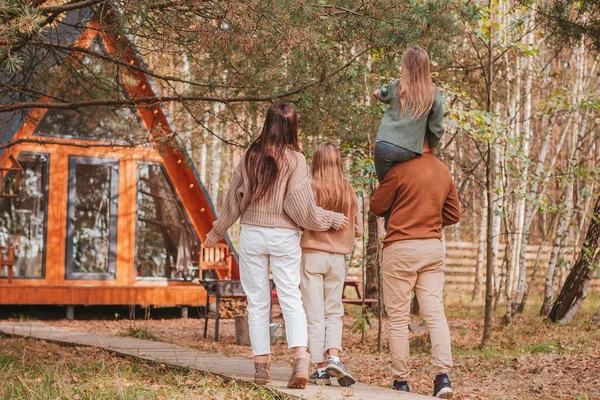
(369, 302)
(356, 285)
(353, 283)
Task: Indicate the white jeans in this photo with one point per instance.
(281, 248)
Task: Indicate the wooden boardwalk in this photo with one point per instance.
(238, 368)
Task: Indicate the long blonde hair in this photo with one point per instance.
(330, 186)
(415, 92)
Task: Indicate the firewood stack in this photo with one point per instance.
(231, 308)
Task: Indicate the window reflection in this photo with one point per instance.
(165, 242)
(23, 218)
(93, 193)
(94, 123)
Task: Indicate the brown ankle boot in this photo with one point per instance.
(262, 374)
(299, 376)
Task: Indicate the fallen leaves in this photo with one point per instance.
(529, 359)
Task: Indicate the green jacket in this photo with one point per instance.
(397, 128)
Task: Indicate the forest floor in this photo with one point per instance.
(529, 359)
(36, 369)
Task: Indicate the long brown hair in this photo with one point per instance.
(330, 186)
(415, 92)
(264, 157)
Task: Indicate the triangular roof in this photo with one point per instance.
(79, 28)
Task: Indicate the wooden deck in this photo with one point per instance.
(238, 368)
(102, 295)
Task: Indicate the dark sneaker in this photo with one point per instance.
(441, 387)
(322, 379)
(401, 386)
(337, 370)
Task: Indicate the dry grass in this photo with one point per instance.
(35, 369)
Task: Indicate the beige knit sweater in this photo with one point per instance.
(291, 205)
(336, 242)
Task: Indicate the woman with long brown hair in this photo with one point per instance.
(416, 111)
(270, 191)
(324, 266)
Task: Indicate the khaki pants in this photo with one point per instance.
(417, 264)
(322, 285)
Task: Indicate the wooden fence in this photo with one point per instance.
(461, 259)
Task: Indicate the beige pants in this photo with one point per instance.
(417, 264)
(322, 285)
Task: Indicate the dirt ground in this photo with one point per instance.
(530, 359)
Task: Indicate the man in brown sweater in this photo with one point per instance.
(422, 198)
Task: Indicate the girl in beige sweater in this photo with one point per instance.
(271, 193)
(324, 266)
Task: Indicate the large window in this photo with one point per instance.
(165, 244)
(118, 125)
(92, 218)
(23, 218)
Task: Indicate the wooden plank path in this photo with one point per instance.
(241, 369)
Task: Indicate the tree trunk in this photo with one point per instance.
(536, 265)
(373, 243)
(203, 152)
(215, 160)
(574, 291)
(558, 244)
(479, 266)
(524, 229)
(242, 332)
(514, 118)
(414, 306)
(497, 195)
(505, 266)
(490, 172)
(578, 134)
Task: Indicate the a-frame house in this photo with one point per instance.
(109, 209)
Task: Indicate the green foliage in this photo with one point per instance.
(363, 322)
(540, 348)
(573, 20)
(140, 332)
(329, 56)
(362, 173)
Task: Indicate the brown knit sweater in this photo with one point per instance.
(421, 196)
(336, 242)
(291, 204)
